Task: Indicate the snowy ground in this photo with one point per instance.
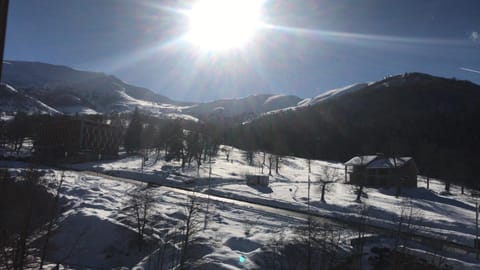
(95, 232)
(446, 216)
(8, 151)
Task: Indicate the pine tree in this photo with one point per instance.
(174, 139)
(134, 133)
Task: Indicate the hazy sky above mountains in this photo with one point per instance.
(315, 46)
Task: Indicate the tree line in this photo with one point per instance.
(177, 140)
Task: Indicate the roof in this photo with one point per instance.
(377, 162)
(386, 163)
(361, 160)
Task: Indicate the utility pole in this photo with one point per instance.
(3, 30)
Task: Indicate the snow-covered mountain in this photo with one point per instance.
(12, 100)
(72, 91)
(334, 93)
(242, 107)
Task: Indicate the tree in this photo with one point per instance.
(194, 147)
(18, 130)
(277, 163)
(139, 207)
(190, 228)
(174, 141)
(249, 157)
(148, 136)
(359, 189)
(227, 150)
(361, 228)
(271, 159)
(329, 176)
(314, 245)
(133, 136)
(408, 221)
(27, 204)
(52, 220)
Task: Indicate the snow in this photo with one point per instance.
(385, 163)
(96, 228)
(11, 89)
(274, 99)
(449, 217)
(377, 162)
(361, 160)
(5, 117)
(168, 111)
(95, 233)
(327, 95)
(76, 109)
(336, 93)
(13, 101)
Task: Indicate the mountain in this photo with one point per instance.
(435, 120)
(71, 91)
(334, 93)
(241, 108)
(11, 101)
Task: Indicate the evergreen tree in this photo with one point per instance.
(133, 135)
(173, 135)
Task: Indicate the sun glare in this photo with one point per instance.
(223, 24)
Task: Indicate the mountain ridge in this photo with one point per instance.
(431, 118)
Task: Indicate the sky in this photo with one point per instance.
(308, 47)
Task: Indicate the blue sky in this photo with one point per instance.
(316, 46)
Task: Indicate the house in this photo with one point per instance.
(78, 139)
(257, 180)
(381, 171)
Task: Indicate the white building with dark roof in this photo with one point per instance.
(381, 171)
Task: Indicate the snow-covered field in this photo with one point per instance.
(445, 216)
(96, 231)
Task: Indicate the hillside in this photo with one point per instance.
(11, 101)
(72, 91)
(241, 108)
(430, 118)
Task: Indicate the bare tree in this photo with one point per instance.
(408, 221)
(318, 242)
(271, 159)
(278, 159)
(26, 203)
(53, 219)
(361, 229)
(190, 228)
(263, 161)
(139, 207)
(249, 156)
(329, 175)
(227, 150)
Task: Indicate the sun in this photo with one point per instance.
(217, 25)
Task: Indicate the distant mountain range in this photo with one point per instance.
(63, 90)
